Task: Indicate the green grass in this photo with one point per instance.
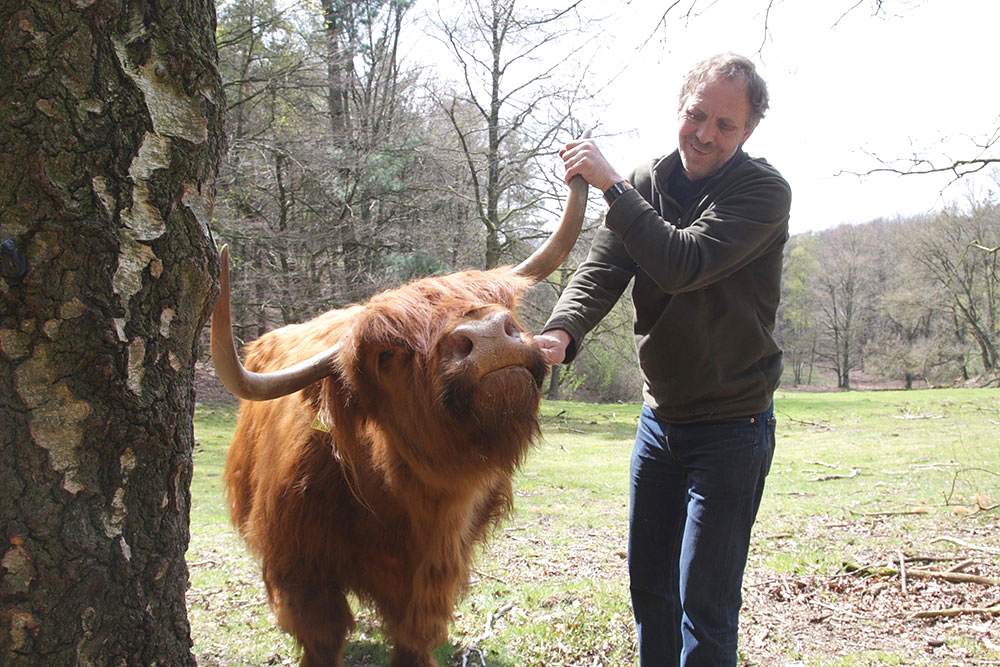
(857, 476)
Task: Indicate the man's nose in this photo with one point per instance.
(706, 133)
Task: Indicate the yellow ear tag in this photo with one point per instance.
(320, 425)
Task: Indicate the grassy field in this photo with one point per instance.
(871, 496)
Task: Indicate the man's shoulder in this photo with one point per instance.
(759, 165)
(757, 173)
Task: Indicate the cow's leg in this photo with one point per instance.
(413, 645)
(318, 617)
(424, 623)
(404, 657)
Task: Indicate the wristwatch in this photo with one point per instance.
(616, 191)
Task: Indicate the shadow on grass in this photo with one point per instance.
(372, 653)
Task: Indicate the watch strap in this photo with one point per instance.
(616, 191)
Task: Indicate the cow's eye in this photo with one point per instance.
(385, 355)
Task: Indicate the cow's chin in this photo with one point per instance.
(502, 399)
(507, 388)
(504, 406)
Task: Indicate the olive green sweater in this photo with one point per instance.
(707, 281)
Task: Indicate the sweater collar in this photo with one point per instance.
(663, 167)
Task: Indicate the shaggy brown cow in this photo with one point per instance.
(386, 456)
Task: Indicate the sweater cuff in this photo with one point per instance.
(624, 212)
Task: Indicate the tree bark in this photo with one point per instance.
(110, 137)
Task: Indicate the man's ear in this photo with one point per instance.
(751, 126)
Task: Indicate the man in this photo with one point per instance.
(701, 233)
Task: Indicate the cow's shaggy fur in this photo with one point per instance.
(381, 479)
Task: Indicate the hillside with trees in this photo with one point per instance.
(908, 302)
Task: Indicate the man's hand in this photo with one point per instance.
(583, 157)
(554, 344)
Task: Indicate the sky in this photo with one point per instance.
(846, 92)
(850, 91)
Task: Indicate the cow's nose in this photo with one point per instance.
(486, 335)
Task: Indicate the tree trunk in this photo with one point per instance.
(555, 383)
(110, 136)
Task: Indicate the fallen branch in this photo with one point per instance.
(956, 611)
(955, 577)
(916, 573)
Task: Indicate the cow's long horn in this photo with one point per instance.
(247, 384)
(551, 254)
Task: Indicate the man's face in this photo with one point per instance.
(714, 121)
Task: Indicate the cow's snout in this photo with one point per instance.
(495, 340)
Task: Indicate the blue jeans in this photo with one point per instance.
(694, 498)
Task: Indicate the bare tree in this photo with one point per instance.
(513, 101)
(844, 286)
(901, 340)
(111, 137)
(796, 328)
(957, 251)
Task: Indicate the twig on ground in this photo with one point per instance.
(803, 422)
(490, 576)
(915, 510)
(963, 543)
(823, 478)
(958, 567)
(822, 463)
(836, 610)
(779, 536)
(487, 632)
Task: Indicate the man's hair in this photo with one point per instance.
(729, 66)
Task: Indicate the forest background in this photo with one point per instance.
(353, 167)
